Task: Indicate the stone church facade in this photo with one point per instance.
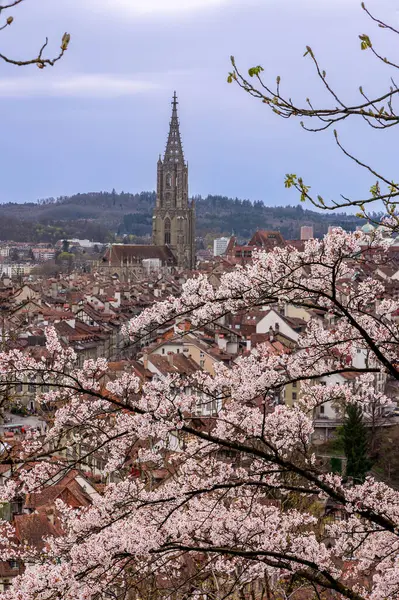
(174, 214)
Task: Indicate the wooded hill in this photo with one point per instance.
(99, 215)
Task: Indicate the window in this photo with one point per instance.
(45, 389)
(294, 395)
(322, 409)
(202, 363)
(294, 384)
(163, 350)
(31, 388)
(167, 231)
(18, 388)
(168, 180)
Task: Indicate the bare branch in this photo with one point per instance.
(39, 60)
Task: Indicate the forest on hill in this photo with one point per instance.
(100, 216)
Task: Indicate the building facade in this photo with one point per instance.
(307, 232)
(220, 246)
(132, 261)
(174, 214)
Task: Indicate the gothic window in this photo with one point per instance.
(167, 231)
(168, 180)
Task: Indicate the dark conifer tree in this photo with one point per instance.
(356, 446)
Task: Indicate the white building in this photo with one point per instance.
(152, 264)
(307, 232)
(43, 254)
(16, 270)
(220, 246)
(81, 243)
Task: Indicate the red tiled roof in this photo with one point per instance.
(34, 528)
(267, 239)
(174, 363)
(117, 253)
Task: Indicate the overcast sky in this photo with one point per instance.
(99, 118)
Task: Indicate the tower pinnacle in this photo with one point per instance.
(173, 223)
(174, 148)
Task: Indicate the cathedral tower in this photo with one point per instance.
(174, 215)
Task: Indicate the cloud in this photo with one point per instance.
(156, 7)
(79, 86)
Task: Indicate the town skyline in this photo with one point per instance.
(87, 130)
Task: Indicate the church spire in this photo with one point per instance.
(174, 148)
(173, 222)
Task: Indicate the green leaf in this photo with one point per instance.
(375, 190)
(290, 180)
(365, 41)
(255, 71)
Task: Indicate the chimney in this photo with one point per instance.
(145, 360)
(170, 358)
(248, 344)
(50, 516)
(271, 334)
